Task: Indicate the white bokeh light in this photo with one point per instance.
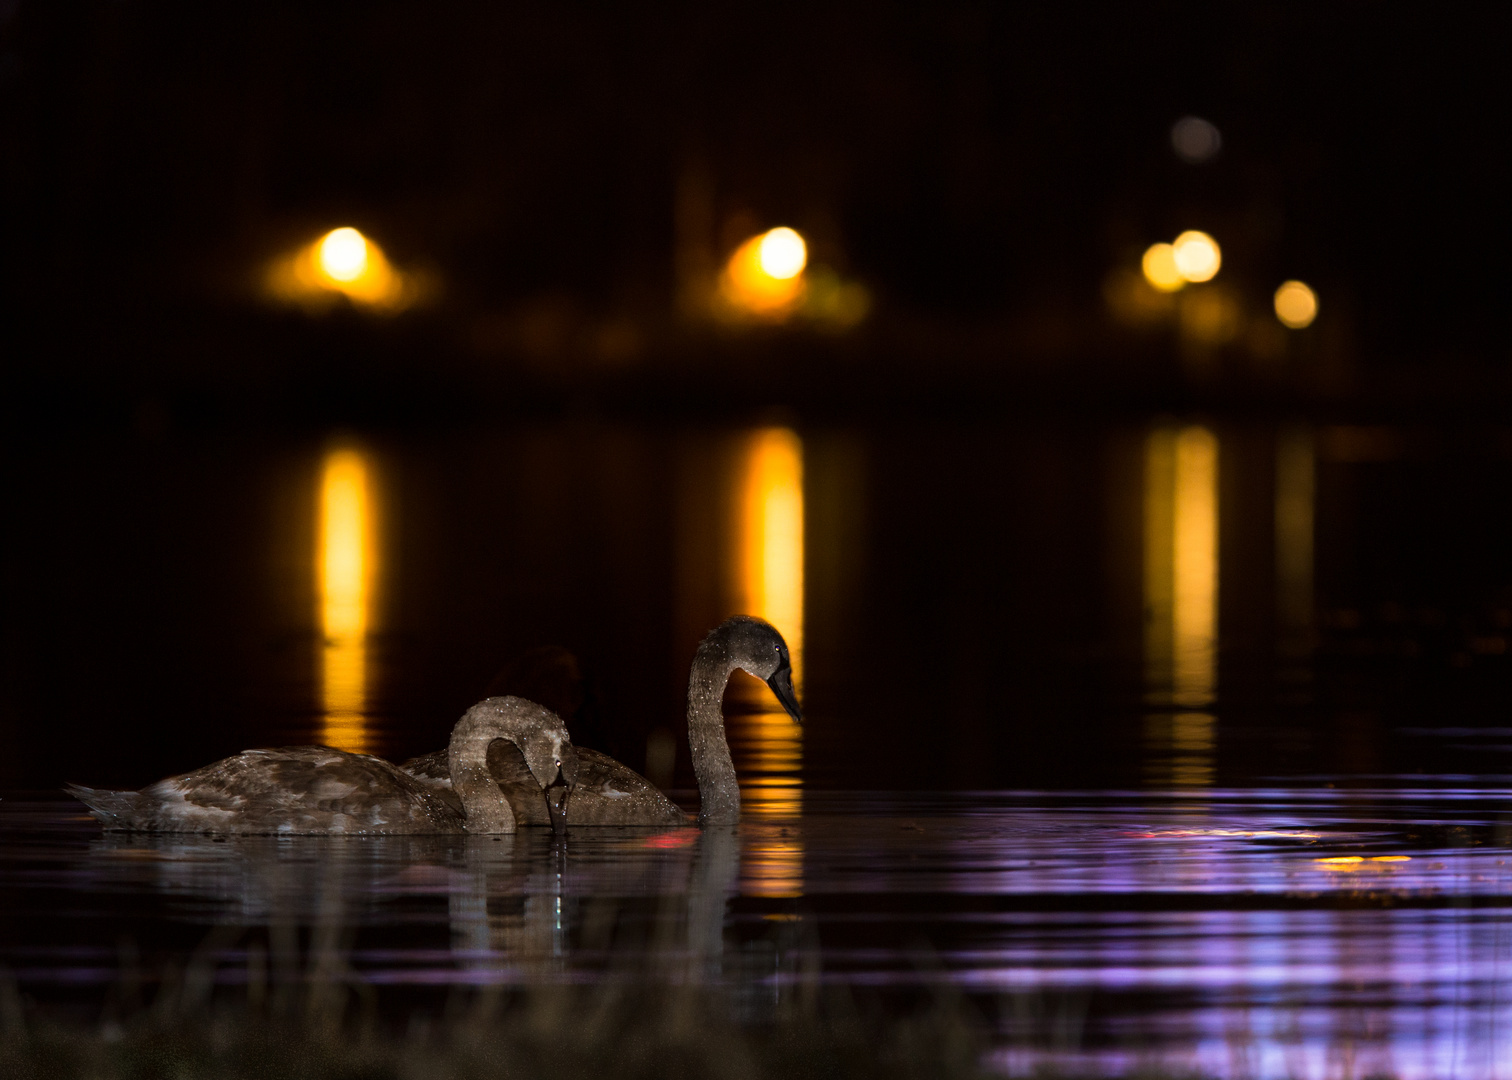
(1197, 256)
(344, 254)
(783, 254)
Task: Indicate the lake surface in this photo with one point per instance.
(1055, 602)
(1190, 735)
(1255, 932)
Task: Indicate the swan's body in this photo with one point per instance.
(606, 792)
(610, 793)
(314, 789)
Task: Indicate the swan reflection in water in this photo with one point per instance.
(1302, 925)
(512, 909)
(517, 911)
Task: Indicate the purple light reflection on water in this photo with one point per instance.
(1105, 931)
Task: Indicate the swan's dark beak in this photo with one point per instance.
(558, 812)
(567, 773)
(781, 682)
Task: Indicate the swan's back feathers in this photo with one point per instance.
(432, 769)
(292, 790)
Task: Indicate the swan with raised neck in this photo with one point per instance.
(752, 645)
(318, 790)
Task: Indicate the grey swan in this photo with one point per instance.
(607, 792)
(316, 790)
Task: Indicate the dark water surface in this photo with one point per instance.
(986, 604)
(1221, 651)
(1236, 932)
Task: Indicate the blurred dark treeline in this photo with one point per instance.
(563, 171)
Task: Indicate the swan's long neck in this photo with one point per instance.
(718, 790)
(483, 803)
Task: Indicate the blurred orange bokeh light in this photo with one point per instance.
(343, 255)
(1296, 305)
(342, 262)
(1197, 256)
(765, 274)
(1159, 266)
(783, 253)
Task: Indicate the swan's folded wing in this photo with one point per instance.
(303, 789)
(611, 793)
(282, 777)
(433, 768)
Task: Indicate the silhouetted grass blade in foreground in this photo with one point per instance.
(328, 1025)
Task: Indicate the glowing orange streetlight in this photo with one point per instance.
(343, 254)
(342, 262)
(1296, 305)
(765, 274)
(1193, 257)
(1197, 256)
(782, 253)
(1159, 266)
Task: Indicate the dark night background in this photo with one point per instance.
(981, 169)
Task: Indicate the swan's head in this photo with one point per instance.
(549, 753)
(536, 730)
(754, 645)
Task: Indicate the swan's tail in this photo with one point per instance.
(116, 809)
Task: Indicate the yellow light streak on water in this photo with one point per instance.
(345, 560)
(1181, 598)
(772, 536)
(768, 742)
(1195, 614)
(1351, 863)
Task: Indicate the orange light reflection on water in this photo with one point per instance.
(1347, 864)
(345, 560)
(769, 744)
(772, 536)
(1181, 600)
